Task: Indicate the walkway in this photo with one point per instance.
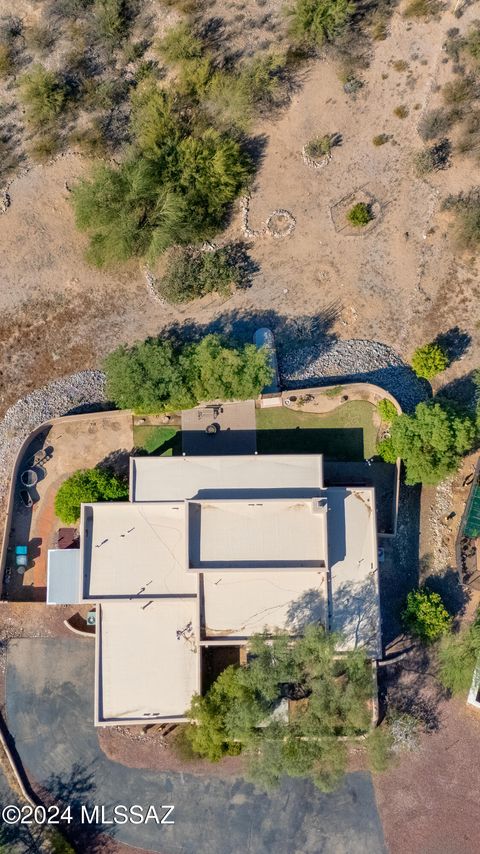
(49, 713)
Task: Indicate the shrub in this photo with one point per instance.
(421, 9)
(434, 124)
(86, 486)
(317, 21)
(458, 655)
(466, 208)
(379, 748)
(387, 410)
(320, 146)
(111, 21)
(400, 65)
(6, 59)
(360, 214)
(40, 37)
(156, 375)
(472, 43)
(192, 273)
(430, 442)
(44, 94)
(180, 44)
(401, 112)
(459, 91)
(429, 360)
(44, 146)
(425, 615)
(430, 159)
(380, 139)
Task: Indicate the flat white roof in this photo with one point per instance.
(147, 661)
(353, 559)
(174, 478)
(257, 534)
(63, 576)
(239, 604)
(134, 550)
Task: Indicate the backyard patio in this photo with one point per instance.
(69, 444)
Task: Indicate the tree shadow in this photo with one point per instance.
(355, 614)
(78, 790)
(116, 461)
(455, 342)
(450, 588)
(291, 333)
(308, 608)
(410, 687)
(462, 392)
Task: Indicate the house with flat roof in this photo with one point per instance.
(207, 552)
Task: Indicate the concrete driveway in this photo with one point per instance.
(49, 713)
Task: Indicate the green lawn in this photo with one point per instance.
(348, 433)
(161, 441)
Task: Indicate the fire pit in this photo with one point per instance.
(28, 477)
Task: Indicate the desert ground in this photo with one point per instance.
(401, 283)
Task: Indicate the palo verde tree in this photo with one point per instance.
(238, 712)
(85, 486)
(457, 656)
(157, 375)
(430, 442)
(173, 188)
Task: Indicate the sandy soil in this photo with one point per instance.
(430, 801)
(58, 314)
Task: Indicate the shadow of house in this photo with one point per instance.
(400, 571)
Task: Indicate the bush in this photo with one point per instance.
(466, 208)
(425, 615)
(180, 44)
(318, 21)
(111, 21)
(318, 147)
(401, 112)
(387, 410)
(44, 94)
(430, 442)
(458, 655)
(40, 37)
(459, 91)
(431, 159)
(86, 486)
(360, 214)
(156, 375)
(421, 9)
(379, 748)
(380, 139)
(6, 60)
(429, 360)
(434, 124)
(191, 273)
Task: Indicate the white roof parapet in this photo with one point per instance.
(259, 534)
(267, 475)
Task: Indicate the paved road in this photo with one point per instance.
(49, 712)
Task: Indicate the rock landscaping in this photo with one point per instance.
(75, 393)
